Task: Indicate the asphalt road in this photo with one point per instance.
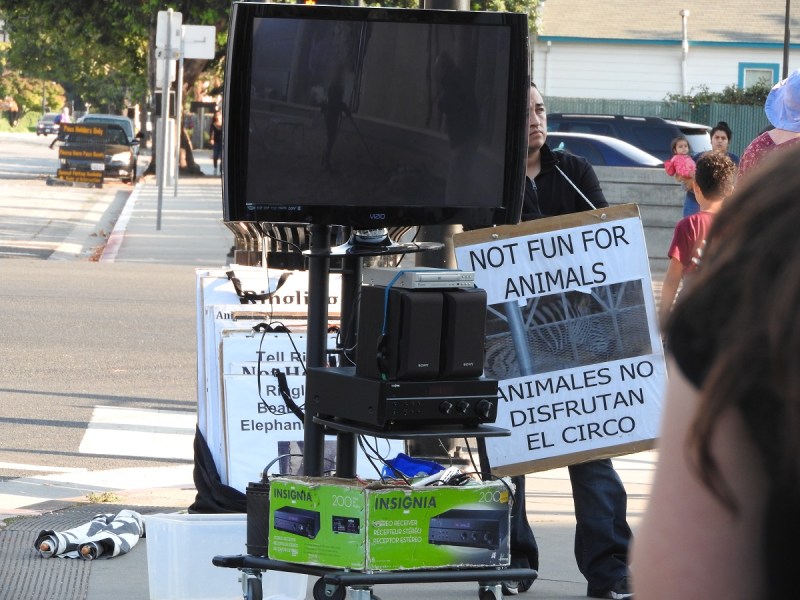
(73, 341)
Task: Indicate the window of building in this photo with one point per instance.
(753, 73)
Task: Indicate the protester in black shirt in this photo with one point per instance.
(560, 183)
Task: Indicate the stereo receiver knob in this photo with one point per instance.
(484, 409)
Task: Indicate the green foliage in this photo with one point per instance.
(26, 123)
(97, 50)
(755, 95)
(29, 93)
(516, 6)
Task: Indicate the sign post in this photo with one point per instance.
(168, 34)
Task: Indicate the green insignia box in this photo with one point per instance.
(317, 521)
(382, 527)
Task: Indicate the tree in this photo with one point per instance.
(101, 51)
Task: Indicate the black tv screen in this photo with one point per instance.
(374, 117)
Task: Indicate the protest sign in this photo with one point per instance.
(220, 308)
(83, 153)
(571, 335)
(259, 428)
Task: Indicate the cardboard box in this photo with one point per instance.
(317, 521)
(378, 527)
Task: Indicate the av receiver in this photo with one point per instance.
(297, 520)
(339, 392)
(466, 527)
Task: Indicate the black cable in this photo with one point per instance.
(347, 352)
(265, 474)
(283, 386)
(369, 458)
(399, 475)
(287, 242)
(471, 456)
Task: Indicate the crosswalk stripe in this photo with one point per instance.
(139, 433)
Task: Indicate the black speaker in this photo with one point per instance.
(463, 333)
(399, 333)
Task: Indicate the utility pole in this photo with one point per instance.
(685, 49)
(786, 28)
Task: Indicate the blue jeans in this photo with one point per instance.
(690, 204)
(602, 535)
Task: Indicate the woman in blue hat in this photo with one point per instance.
(783, 111)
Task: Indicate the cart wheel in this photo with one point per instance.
(339, 592)
(254, 589)
(487, 593)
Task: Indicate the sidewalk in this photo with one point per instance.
(191, 233)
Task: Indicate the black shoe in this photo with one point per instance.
(619, 591)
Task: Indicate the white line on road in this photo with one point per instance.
(139, 432)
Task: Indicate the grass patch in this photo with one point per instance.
(103, 497)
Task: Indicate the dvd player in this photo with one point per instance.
(418, 278)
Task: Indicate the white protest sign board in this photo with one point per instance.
(219, 318)
(219, 309)
(259, 428)
(571, 335)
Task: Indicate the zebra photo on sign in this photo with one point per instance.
(569, 329)
(571, 336)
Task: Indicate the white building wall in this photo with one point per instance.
(639, 71)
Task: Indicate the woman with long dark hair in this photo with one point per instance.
(723, 519)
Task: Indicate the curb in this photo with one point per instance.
(114, 241)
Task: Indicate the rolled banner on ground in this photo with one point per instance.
(106, 535)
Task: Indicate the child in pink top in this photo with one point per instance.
(681, 166)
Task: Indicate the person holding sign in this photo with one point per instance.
(713, 182)
(560, 183)
(62, 117)
(722, 518)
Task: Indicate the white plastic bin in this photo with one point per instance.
(179, 552)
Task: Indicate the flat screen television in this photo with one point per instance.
(374, 117)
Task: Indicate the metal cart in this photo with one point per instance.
(337, 584)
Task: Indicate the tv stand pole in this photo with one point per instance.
(316, 340)
(319, 267)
